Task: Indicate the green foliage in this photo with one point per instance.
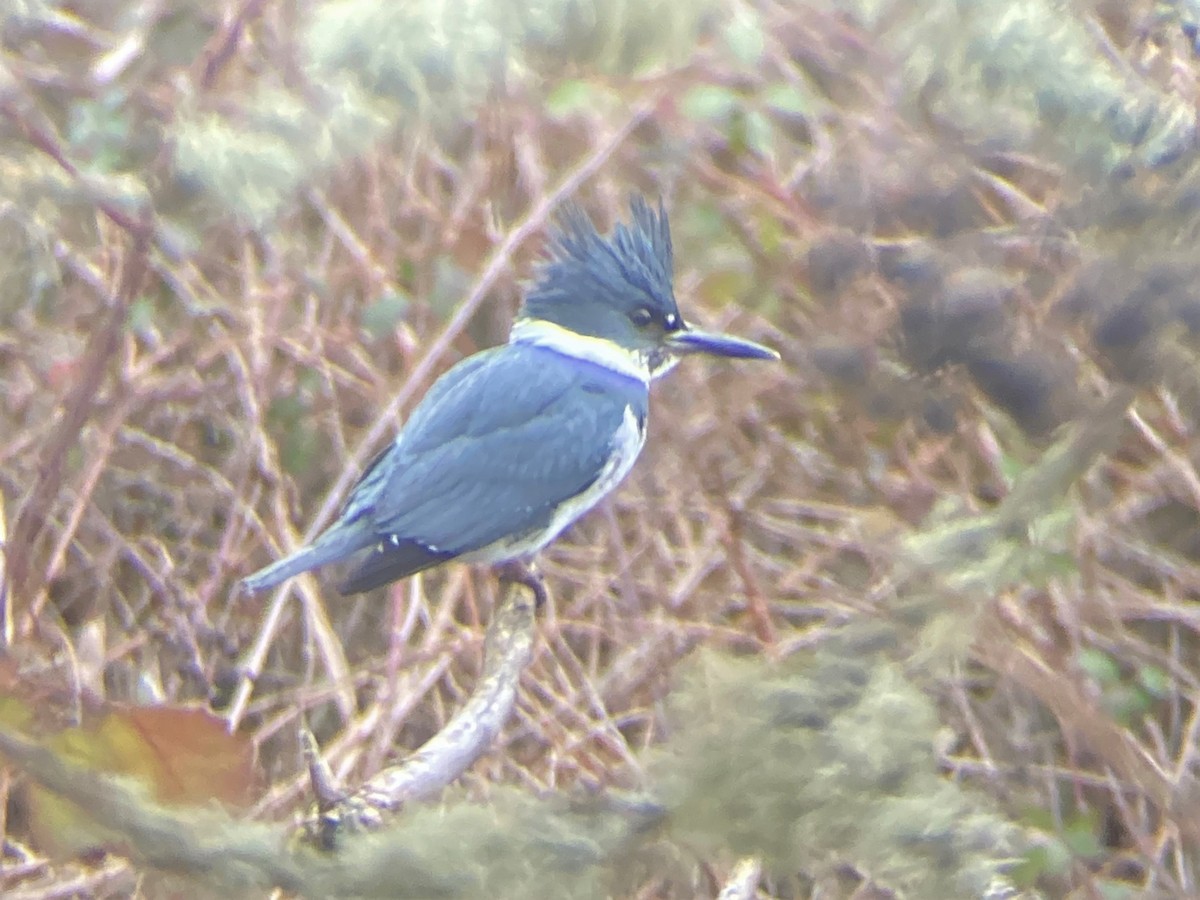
(827, 757)
(450, 282)
(255, 166)
(32, 275)
(1061, 846)
(713, 103)
(429, 59)
(617, 37)
(300, 442)
(573, 96)
(817, 761)
(377, 66)
(743, 35)
(141, 316)
(100, 131)
(381, 316)
(1015, 70)
(1128, 694)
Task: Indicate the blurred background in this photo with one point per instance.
(238, 240)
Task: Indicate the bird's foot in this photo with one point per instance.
(526, 574)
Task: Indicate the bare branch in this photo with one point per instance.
(452, 750)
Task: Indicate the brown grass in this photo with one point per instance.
(197, 360)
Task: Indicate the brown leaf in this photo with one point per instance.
(180, 756)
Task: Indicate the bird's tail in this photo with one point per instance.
(339, 542)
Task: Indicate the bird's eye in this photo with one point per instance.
(671, 321)
(641, 317)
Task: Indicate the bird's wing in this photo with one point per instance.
(389, 562)
(380, 466)
(499, 448)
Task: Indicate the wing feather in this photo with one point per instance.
(499, 448)
(387, 563)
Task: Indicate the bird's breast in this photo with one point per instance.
(627, 442)
(624, 447)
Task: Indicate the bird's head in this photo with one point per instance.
(612, 297)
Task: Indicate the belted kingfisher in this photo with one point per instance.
(513, 444)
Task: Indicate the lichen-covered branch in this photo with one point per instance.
(452, 750)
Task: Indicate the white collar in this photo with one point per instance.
(610, 355)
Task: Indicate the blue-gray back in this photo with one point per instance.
(498, 443)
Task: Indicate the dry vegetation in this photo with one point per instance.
(911, 612)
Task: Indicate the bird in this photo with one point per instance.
(515, 443)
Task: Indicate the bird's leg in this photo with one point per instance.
(526, 574)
